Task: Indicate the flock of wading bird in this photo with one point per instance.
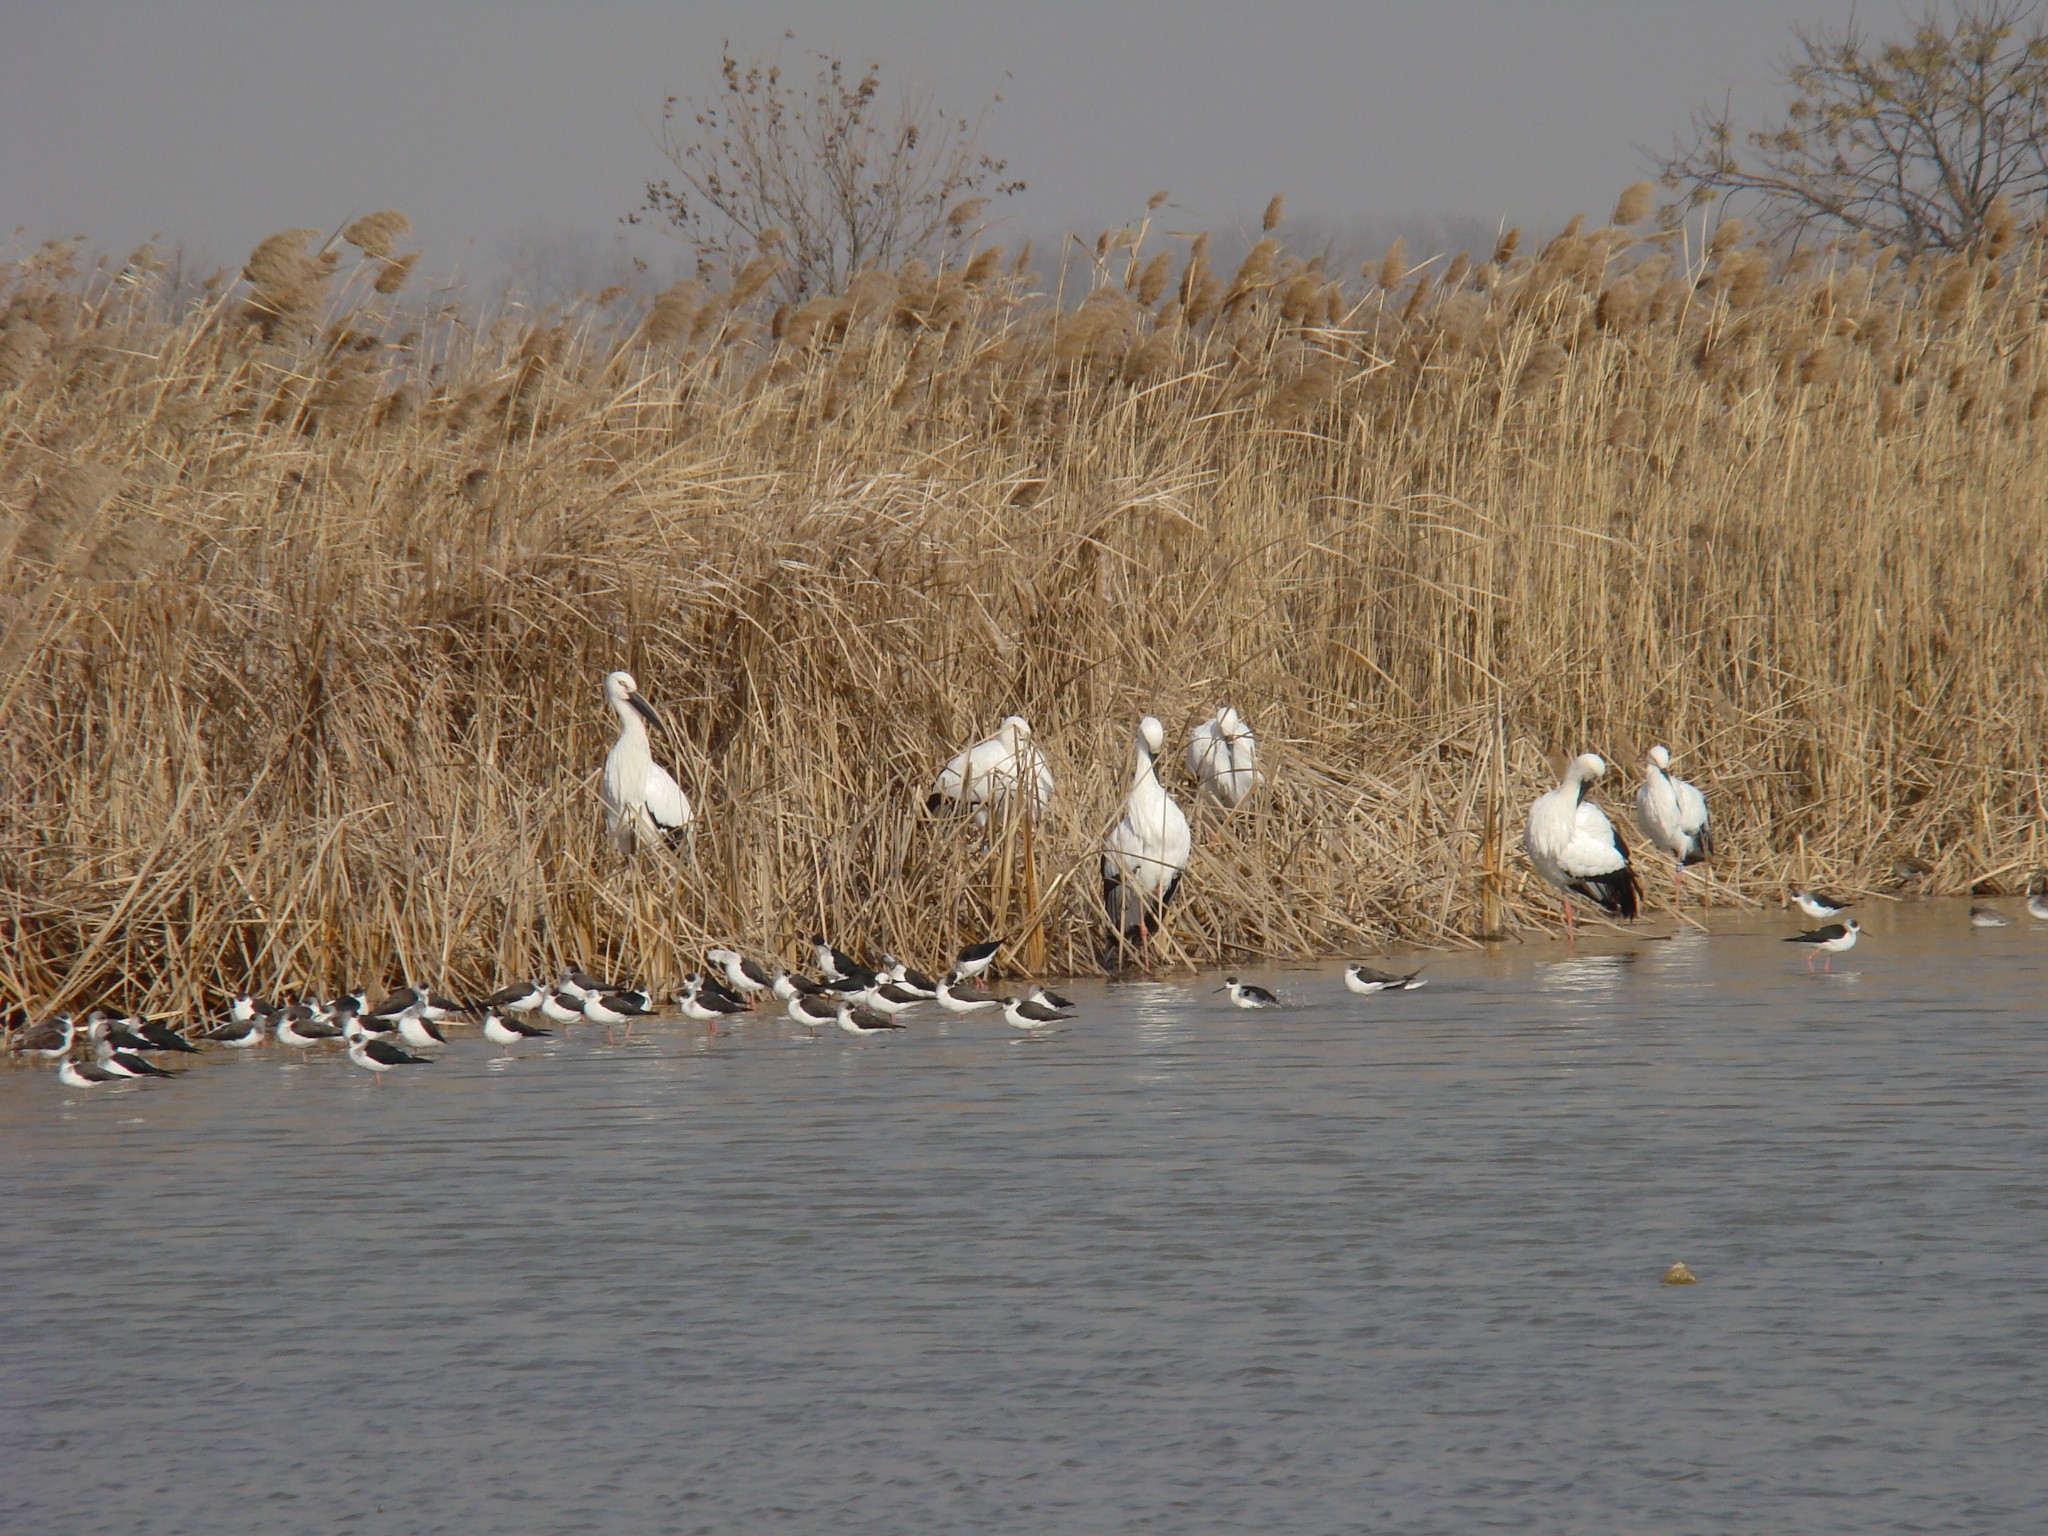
(1570, 842)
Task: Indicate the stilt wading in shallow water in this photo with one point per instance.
(50, 1039)
(1146, 854)
(835, 964)
(509, 1030)
(746, 978)
(1575, 848)
(953, 1002)
(520, 997)
(1023, 1013)
(1244, 995)
(642, 803)
(83, 1074)
(380, 1056)
(1364, 980)
(973, 961)
(1835, 939)
(1673, 816)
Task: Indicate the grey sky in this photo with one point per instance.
(495, 124)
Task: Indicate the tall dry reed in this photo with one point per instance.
(311, 587)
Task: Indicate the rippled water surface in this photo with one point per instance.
(1379, 1263)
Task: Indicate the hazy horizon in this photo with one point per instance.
(515, 136)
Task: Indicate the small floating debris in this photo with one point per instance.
(1678, 1274)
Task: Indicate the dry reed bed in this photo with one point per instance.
(312, 586)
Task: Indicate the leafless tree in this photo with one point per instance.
(829, 173)
(1915, 142)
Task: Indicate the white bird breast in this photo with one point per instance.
(641, 799)
(1570, 839)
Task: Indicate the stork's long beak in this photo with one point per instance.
(646, 710)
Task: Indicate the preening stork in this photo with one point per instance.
(985, 775)
(1147, 850)
(1575, 847)
(1673, 816)
(641, 802)
(1223, 759)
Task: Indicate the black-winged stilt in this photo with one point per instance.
(1829, 941)
(296, 1027)
(520, 997)
(952, 1002)
(419, 1031)
(837, 965)
(562, 1007)
(973, 961)
(379, 1055)
(1025, 1014)
(745, 977)
(815, 1010)
(50, 1039)
(856, 1020)
(128, 1063)
(1364, 980)
(509, 1029)
(161, 1037)
(1245, 995)
(1818, 905)
(907, 978)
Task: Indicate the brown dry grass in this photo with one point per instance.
(310, 593)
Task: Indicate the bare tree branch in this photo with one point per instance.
(828, 174)
(1930, 143)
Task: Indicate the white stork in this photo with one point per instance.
(986, 774)
(1223, 758)
(1147, 850)
(641, 802)
(1673, 815)
(1575, 847)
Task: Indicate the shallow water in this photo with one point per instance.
(1362, 1263)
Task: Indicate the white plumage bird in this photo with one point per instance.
(1673, 816)
(1575, 847)
(1147, 850)
(986, 774)
(642, 804)
(1223, 759)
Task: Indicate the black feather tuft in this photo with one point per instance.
(1618, 894)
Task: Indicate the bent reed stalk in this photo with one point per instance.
(311, 590)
